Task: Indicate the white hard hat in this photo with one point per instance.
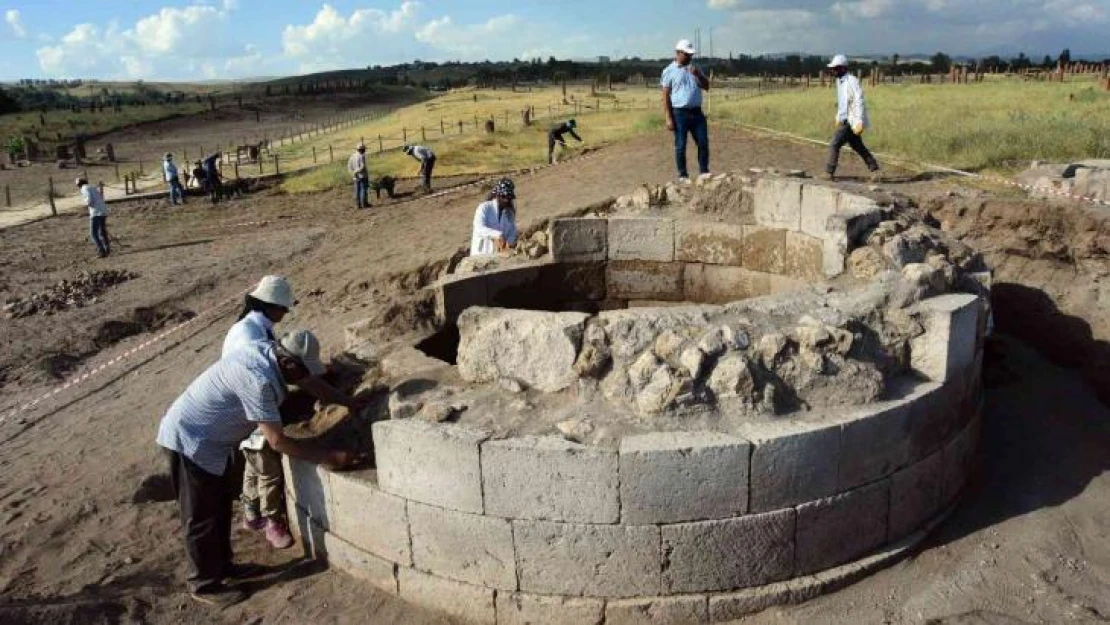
(306, 347)
(839, 61)
(274, 290)
(684, 45)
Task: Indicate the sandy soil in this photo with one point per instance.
(86, 535)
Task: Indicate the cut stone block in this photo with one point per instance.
(658, 611)
(533, 477)
(709, 243)
(818, 204)
(534, 347)
(525, 609)
(667, 477)
(716, 284)
(632, 279)
(803, 257)
(368, 518)
(513, 287)
(573, 281)
(841, 528)
(843, 230)
(471, 604)
(875, 445)
(637, 238)
(778, 203)
(792, 464)
(933, 421)
(959, 459)
(589, 560)
(431, 463)
(579, 240)
(735, 605)
(307, 484)
(728, 554)
(464, 547)
(915, 496)
(948, 346)
(457, 293)
(355, 562)
(764, 249)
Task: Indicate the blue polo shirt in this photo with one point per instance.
(685, 92)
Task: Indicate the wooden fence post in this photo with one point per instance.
(260, 161)
(277, 166)
(441, 127)
(117, 172)
(404, 135)
(423, 135)
(460, 127)
(236, 169)
(331, 155)
(50, 192)
(313, 155)
(7, 196)
(380, 147)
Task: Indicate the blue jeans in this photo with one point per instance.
(98, 230)
(177, 192)
(362, 192)
(691, 121)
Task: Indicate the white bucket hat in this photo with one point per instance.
(839, 61)
(274, 290)
(684, 45)
(305, 347)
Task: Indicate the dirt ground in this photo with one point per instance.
(86, 535)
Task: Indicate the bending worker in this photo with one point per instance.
(495, 221)
(555, 135)
(851, 119)
(427, 160)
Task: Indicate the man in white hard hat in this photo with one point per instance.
(851, 119)
(98, 216)
(682, 84)
(360, 174)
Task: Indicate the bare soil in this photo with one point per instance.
(87, 534)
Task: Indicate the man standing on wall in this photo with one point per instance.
(682, 84)
(851, 119)
(361, 176)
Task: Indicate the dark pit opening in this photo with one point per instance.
(443, 345)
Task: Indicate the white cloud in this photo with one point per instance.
(333, 40)
(869, 9)
(15, 21)
(476, 41)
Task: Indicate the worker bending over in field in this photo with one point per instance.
(212, 176)
(495, 221)
(851, 119)
(98, 216)
(555, 135)
(682, 85)
(169, 171)
(427, 160)
(361, 176)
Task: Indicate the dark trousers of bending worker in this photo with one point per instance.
(426, 167)
(845, 135)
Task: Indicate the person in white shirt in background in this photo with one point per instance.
(495, 221)
(360, 175)
(169, 171)
(851, 119)
(98, 217)
(427, 160)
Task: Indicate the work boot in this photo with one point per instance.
(278, 534)
(219, 596)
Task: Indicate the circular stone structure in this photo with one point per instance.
(781, 427)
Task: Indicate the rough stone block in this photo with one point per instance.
(803, 257)
(536, 348)
(639, 238)
(841, 528)
(874, 444)
(525, 609)
(778, 203)
(563, 282)
(631, 279)
(344, 556)
(589, 560)
(844, 229)
(551, 478)
(959, 459)
(667, 477)
(658, 611)
(307, 484)
(431, 463)
(464, 547)
(579, 240)
(818, 204)
(728, 554)
(512, 287)
(709, 243)
(764, 249)
(948, 346)
(457, 293)
(792, 465)
(471, 604)
(735, 605)
(368, 518)
(915, 496)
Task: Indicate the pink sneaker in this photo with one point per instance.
(278, 534)
(256, 524)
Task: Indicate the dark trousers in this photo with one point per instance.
(362, 192)
(204, 502)
(691, 121)
(98, 230)
(426, 167)
(177, 192)
(844, 135)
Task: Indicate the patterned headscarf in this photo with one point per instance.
(504, 188)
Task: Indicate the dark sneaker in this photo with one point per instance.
(243, 571)
(219, 596)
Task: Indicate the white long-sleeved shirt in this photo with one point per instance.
(97, 207)
(489, 225)
(169, 170)
(850, 104)
(255, 326)
(357, 165)
(422, 153)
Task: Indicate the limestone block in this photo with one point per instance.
(579, 281)
(526, 609)
(844, 229)
(778, 203)
(709, 243)
(792, 464)
(841, 528)
(368, 518)
(959, 459)
(933, 420)
(915, 496)
(464, 547)
(579, 240)
(639, 238)
(512, 287)
(818, 204)
(630, 279)
(733, 553)
(948, 346)
(658, 611)
(432, 463)
(682, 476)
(355, 562)
(764, 249)
(735, 605)
(589, 560)
(803, 257)
(715, 284)
(536, 348)
(534, 477)
(470, 604)
(874, 443)
(457, 293)
(307, 484)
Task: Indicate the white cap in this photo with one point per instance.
(839, 61)
(684, 45)
(274, 290)
(305, 347)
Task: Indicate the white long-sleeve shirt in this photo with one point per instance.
(489, 225)
(169, 170)
(850, 104)
(422, 153)
(97, 207)
(357, 165)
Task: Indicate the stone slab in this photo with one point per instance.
(535, 347)
(512, 287)
(716, 284)
(735, 605)
(933, 421)
(471, 604)
(764, 249)
(517, 608)
(589, 560)
(958, 460)
(658, 611)
(803, 257)
(709, 243)
(307, 484)
(915, 496)
(818, 204)
(436, 464)
(344, 556)
(792, 465)
(641, 238)
(579, 240)
(841, 528)
(631, 279)
(457, 293)
(369, 519)
(948, 346)
(573, 281)
(464, 547)
(728, 554)
(666, 477)
(874, 444)
(778, 203)
(532, 477)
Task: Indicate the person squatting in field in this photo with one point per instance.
(851, 119)
(682, 84)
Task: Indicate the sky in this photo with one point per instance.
(228, 39)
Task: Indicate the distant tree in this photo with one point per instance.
(8, 104)
(1047, 63)
(1065, 56)
(941, 63)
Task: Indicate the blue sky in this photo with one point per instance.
(218, 39)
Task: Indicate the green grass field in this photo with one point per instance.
(69, 123)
